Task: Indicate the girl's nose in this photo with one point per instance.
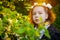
(36, 15)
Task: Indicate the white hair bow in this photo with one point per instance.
(43, 4)
(47, 5)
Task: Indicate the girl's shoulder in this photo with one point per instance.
(53, 30)
(54, 33)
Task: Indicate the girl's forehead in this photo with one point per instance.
(39, 8)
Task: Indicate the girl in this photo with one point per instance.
(47, 16)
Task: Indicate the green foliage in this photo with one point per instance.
(56, 9)
(21, 6)
(0, 2)
(1, 27)
(14, 20)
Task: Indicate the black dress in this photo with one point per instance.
(55, 35)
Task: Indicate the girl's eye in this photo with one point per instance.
(40, 13)
(34, 13)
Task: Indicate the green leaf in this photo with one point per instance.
(47, 33)
(24, 38)
(1, 27)
(0, 2)
(21, 30)
(1, 8)
(31, 38)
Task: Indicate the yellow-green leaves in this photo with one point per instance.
(41, 19)
(1, 27)
(0, 2)
(14, 22)
(47, 33)
(37, 33)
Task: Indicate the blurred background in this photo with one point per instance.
(22, 7)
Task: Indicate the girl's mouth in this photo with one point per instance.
(36, 20)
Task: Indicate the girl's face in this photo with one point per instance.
(39, 15)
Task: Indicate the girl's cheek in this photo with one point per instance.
(33, 18)
(42, 18)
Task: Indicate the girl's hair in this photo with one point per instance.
(51, 15)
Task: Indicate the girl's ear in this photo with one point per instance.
(46, 16)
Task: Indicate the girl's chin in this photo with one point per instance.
(37, 22)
